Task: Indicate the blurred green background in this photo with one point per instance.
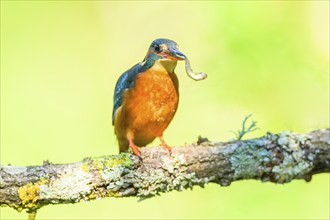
(60, 62)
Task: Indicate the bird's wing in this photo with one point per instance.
(126, 81)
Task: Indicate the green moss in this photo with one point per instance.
(43, 180)
(98, 164)
(101, 163)
(111, 169)
(122, 159)
(85, 167)
(112, 194)
(29, 195)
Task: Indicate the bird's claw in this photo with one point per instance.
(165, 145)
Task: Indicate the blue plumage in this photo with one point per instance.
(126, 81)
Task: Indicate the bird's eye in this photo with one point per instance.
(157, 48)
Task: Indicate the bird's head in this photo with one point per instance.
(167, 53)
(165, 49)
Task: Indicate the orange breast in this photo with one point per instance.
(151, 104)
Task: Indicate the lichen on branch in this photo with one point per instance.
(278, 158)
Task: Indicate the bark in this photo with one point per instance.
(278, 158)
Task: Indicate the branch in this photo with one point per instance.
(278, 158)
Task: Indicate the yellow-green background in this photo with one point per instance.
(60, 62)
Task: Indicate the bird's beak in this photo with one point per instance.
(175, 54)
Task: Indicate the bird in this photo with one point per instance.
(146, 97)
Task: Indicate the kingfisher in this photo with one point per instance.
(146, 97)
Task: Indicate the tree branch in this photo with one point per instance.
(278, 158)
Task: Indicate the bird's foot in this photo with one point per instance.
(134, 148)
(165, 145)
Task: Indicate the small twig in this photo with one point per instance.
(252, 127)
